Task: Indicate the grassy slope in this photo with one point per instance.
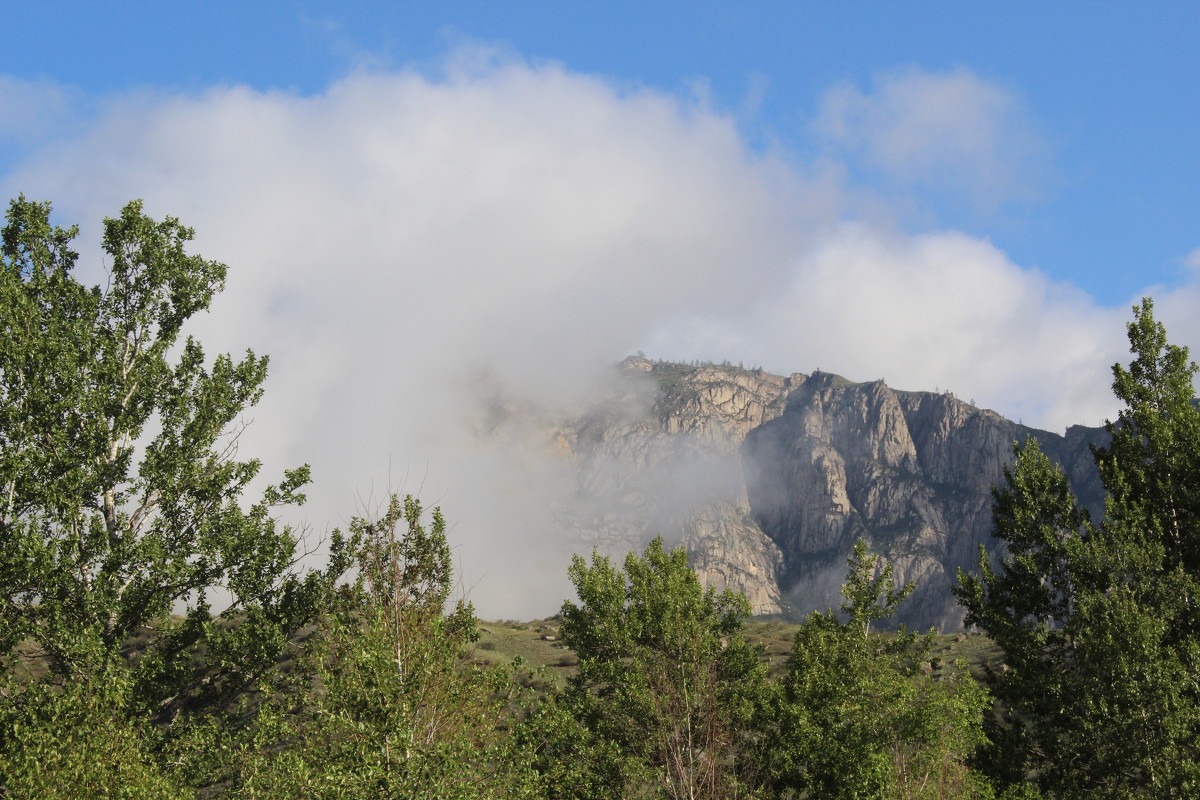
(538, 643)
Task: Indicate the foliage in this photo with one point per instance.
(858, 716)
(122, 498)
(1099, 622)
(381, 703)
(666, 690)
(61, 744)
(870, 596)
(118, 470)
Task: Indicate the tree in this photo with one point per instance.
(120, 485)
(381, 702)
(667, 686)
(870, 596)
(65, 742)
(858, 716)
(1099, 621)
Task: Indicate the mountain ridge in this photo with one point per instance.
(768, 479)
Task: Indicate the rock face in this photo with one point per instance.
(664, 459)
(770, 480)
(910, 472)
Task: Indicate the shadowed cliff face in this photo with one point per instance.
(769, 480)
(910, 472)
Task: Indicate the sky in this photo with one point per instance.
(430, 207)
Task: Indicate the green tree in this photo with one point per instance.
(860, 716)
(382, 702)
(667, 686)
(869, 589)
(120, 485)
(62, 744)
(1099, 622)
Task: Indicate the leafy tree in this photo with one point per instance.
(870, 596)
(858, 716)
(68, 743)
(120, 485)
(667, 686)
(1099, 622)
(381, 704)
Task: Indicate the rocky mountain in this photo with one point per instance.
(769, 480)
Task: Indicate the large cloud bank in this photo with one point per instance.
(403, 238)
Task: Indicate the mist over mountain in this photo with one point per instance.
(442, 259)
(768, 480)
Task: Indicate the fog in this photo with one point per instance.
(410, 245)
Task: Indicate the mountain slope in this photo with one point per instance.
(769, 480)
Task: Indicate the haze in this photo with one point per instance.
(411, 243)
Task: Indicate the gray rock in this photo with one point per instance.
(769, 480)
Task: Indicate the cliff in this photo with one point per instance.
(662, 457)
(769, 480)
(910, 472)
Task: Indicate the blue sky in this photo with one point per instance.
(1110, 86)
(432, 210)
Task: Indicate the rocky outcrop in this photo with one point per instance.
(662, 457)
(909, 472)
(769, 480)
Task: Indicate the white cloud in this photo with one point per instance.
(396, 237)
(34, 109)
(951, 131)
(1192, 260)
(941, 310)
(401, 239)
